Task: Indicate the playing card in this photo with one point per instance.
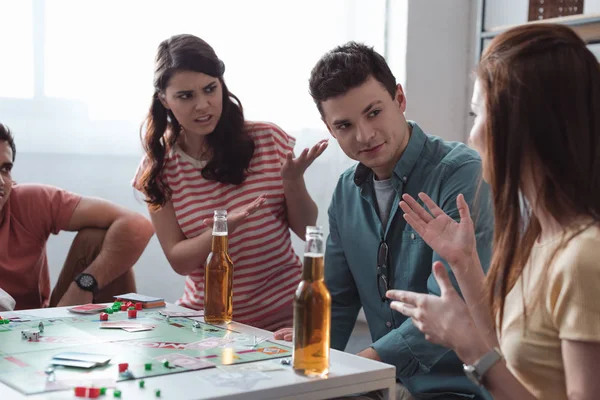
(87, 309)
(123, 324)
(88, 357)
(191, 313)
(74, 363)
(142, 329)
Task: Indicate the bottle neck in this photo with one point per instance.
(220, 226)
(313, 268)
(220, 243)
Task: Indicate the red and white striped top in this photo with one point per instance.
(266, 268)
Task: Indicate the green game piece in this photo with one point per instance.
(142, 384)
(148, 366)
(131, 308)
(166, 363)
(157, 392)
(117, 393)
(109, 310)
(102, 391)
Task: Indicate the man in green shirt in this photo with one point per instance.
(370, 247)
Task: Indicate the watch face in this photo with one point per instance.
(86, 281)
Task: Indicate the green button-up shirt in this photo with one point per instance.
(442, 170)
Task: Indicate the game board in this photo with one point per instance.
(22, 363)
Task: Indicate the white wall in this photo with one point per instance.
(513, 12)
(438, 64)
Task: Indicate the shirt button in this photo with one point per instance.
(404, 179)
(388, 324)
(412, 236)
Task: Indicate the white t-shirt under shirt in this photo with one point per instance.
(568, 308)
(266, 268)
(385, 194)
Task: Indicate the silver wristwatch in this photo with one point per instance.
(476, 371)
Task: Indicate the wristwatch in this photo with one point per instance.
(87, 282)
(476, 372)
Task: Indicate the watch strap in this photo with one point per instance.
(487, 361)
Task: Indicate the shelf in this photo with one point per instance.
(587, 26)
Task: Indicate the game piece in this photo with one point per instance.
(123, 367)
(81, 391)
(109, 310)
(139, 306)
(148, 366)
(286, 361)
(41, 327)
(93, 392)
(166, 363)
(157, 392)
(117, 393)
(132, 313)
(142, 384)
(130, 308)
(30, 334)
(49, 374)
(103, 316)
(123, 307)
(102, 391)
(196, 324)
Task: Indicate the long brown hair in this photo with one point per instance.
(231, 146)
(542, 96)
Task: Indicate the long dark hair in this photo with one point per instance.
(230, 145)
(542, 89)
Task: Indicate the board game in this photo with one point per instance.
(186, 345)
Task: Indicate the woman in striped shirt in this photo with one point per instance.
(201, 155)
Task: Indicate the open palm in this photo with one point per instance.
(236, 217)
(293, 168)
(452, 240)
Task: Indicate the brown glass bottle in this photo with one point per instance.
(218, 277)
(312, 310)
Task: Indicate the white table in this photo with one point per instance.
(348, 374)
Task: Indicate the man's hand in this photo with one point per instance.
(75, 296)
(369, 353)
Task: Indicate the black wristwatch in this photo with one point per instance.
(87, 282)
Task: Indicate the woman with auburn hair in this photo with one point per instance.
(531, 328)
(202, 155)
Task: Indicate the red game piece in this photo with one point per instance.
(123, 367)
(129, 304)
(132, 313)
(138, 306)
(80, 391)
(94, 393)
(123, 307)
(103, 316)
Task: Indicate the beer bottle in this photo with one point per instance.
(312, 310)
(218, 277)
